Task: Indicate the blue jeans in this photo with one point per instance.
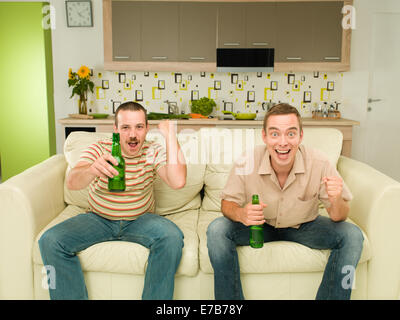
(344, 239)
(60, 244)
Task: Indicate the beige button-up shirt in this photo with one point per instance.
(298, 201)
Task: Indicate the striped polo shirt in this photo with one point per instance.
(140, 171)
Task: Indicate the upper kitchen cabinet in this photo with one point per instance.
(310, 36)
(231, 25)
(197, 35)
(309, 32)
(184, 35)
(294, 43)
(327, 31)
(159, 35)
(126, 18)
(160, 29)
(261, 25)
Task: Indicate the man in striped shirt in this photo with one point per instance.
(124, 216)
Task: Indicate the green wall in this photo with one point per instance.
(27, 125)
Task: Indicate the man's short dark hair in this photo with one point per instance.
(131, 106)
(282, 108)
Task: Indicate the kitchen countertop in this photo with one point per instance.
(216, 122)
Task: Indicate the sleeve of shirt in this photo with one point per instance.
(92, 153)
(160, 156)
(234, 189)
(323, 196)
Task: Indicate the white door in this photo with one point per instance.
(382, 149)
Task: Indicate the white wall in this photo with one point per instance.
(73, 47)
(355, 86)
(355, 82)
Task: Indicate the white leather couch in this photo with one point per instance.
(37, 199)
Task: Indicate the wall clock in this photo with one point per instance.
(79, 13)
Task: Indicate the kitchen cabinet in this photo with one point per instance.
(311, 32)
(311, 37)
(261, 25)
(160, 29)
(156, 22)
(197, 36)
(294, 43)
(161, 33)
(183, 35)
(231, 25)
(327, 31)
(126, 18)
(250, 25)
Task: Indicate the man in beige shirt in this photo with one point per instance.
(290, 180)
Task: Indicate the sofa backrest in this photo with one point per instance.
(167, 200)
(209, 154)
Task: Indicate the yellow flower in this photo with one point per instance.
(83, 72)
(70, 75)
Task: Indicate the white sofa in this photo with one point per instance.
(37, 199)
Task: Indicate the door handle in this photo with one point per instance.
(373, 100)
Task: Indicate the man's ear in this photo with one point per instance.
(264, 136)
(301, 136)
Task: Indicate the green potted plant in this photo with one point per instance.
(203, 106)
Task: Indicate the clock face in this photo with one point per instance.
(79, 13)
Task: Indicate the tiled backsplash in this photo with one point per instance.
(246, 91)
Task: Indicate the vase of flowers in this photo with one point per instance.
(81, 83)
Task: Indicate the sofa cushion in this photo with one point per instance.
(167, 200)
(225, 147)
(170, 201)
(277, 256)
(221, 147)
(127, 257)
(327, 140)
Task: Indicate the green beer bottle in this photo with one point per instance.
(117, 183)
(256, 232)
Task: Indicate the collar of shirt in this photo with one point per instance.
(265, 167)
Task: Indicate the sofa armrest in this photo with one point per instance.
(29, 201)
(375, 208)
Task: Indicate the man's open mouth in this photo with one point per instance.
(133, 144)
(283, 154)
(282, 151)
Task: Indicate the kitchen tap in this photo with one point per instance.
(172, 107)
(228, 106)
